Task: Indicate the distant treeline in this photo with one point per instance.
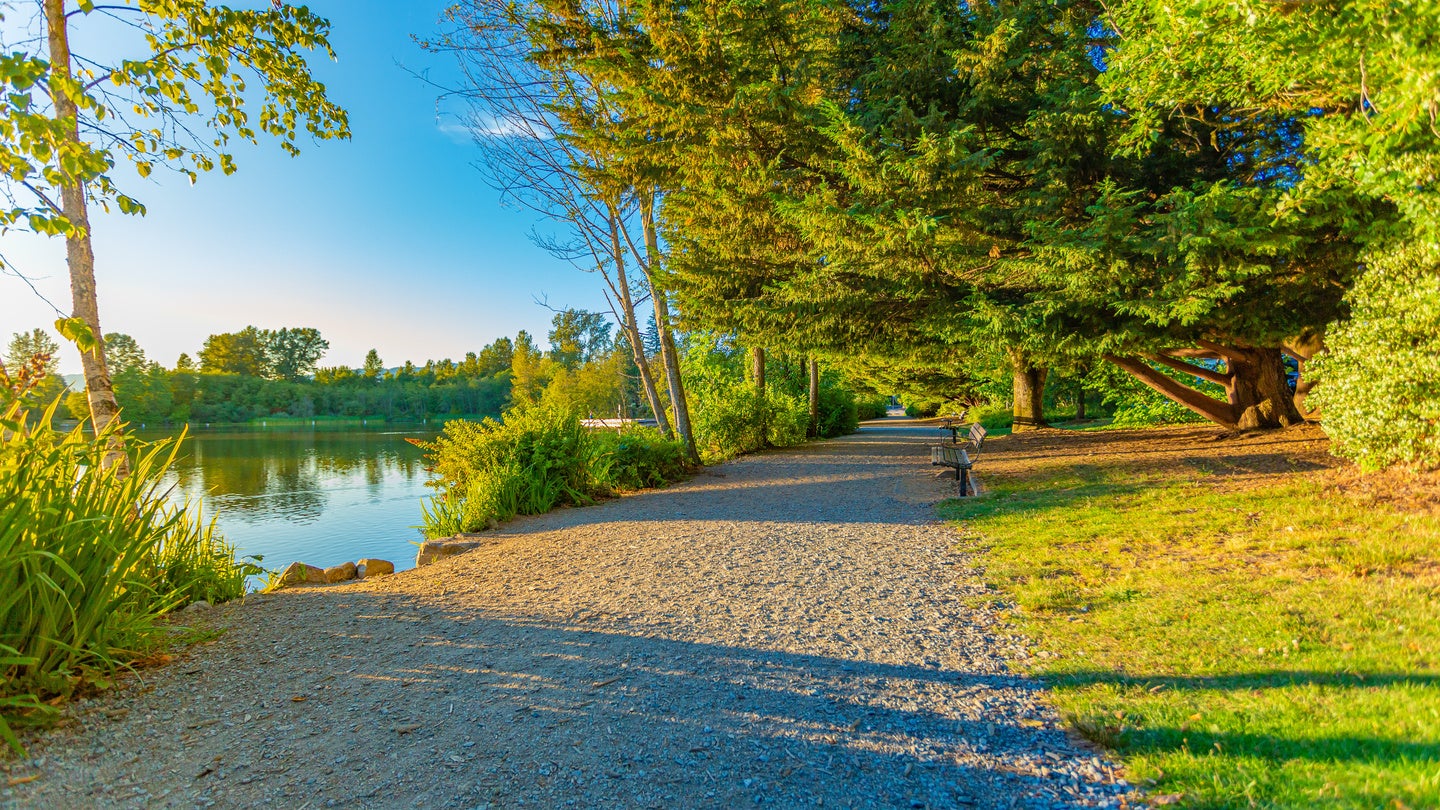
(253, 374)
(159, 395)
(257, 373)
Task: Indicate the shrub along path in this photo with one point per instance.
(792, 629)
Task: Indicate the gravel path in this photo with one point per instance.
(790, 629)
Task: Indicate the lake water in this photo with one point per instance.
(323, 495)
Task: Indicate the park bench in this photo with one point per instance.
(953, 455)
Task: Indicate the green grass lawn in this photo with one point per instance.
(1271, 645)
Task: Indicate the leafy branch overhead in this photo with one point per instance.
(180, 103)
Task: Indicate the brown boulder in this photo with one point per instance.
(341, 572)
(298, 573)
(369, 567)
(432, 550)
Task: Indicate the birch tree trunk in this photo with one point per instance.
(668, 353)
(631, 325)
(79, 253)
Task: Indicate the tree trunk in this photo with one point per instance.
(757, 370)
(1256, 396)
(631, 325)
(1258, 392)
(668, 353)
(1029, 394)
(757, 377)
(79, 253)
(1079, 403)
(814, 398)
(671, 358)
(1301, 397)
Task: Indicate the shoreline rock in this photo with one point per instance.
(367, 567)
(299, 573)
(434, 550)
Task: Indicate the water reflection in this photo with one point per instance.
(316, 493)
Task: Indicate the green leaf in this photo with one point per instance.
(78, 332)
(129, 205)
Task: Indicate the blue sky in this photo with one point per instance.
(390, 241)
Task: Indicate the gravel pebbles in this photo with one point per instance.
(791, 629)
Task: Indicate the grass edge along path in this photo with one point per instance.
(1271, 645)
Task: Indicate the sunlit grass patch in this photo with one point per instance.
(1261, 646)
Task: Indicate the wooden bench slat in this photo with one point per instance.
(949, 456)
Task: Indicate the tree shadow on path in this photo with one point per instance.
(510, 708)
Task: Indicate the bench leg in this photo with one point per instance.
(964, 476)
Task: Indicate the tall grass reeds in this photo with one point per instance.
(90, 557)
(538, 458)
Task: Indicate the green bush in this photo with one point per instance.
(787, 418)
(921, 410)
(730, 419)
(636, 458)
(871, 406)
(490, 471)
(996, 417)
(89, 558)
(1378, 382)
(724, 417)
(840, 413)
(538, 458)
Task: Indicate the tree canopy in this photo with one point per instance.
(1018, 185)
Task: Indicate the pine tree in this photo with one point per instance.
(374, 368)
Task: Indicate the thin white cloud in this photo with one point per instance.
(455, 131)
(490, 126)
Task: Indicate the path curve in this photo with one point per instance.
(789, 629)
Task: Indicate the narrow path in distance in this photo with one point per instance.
(789, 629)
